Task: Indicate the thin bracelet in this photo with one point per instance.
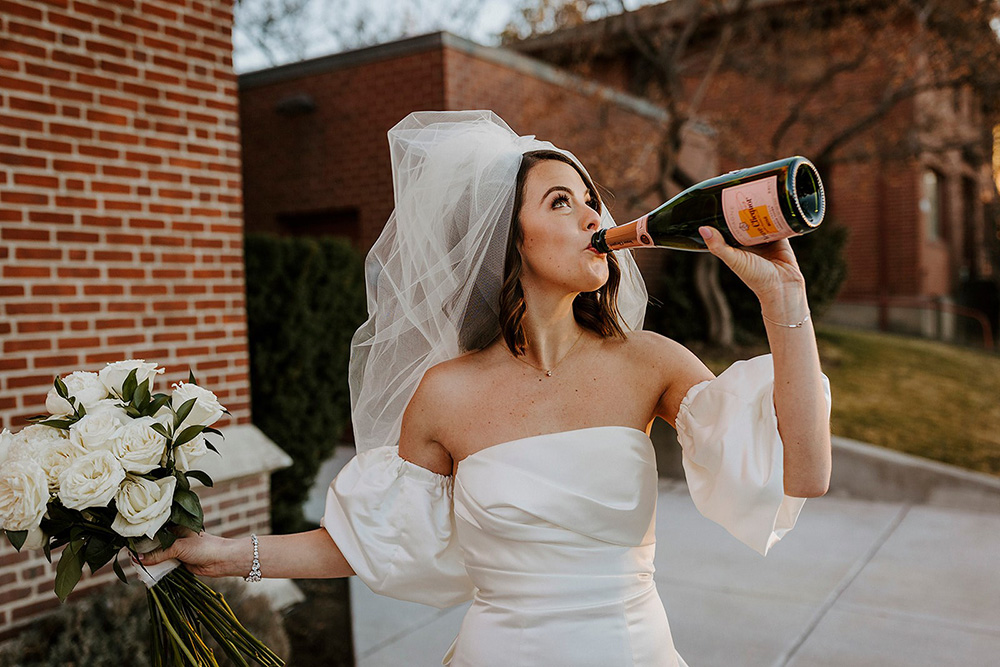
(254, 575)
(787, 326)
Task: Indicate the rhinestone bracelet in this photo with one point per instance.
(254, 575)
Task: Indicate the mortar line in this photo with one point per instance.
(842, 586)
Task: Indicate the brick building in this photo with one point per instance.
(121, 230)
(914, 188)
(316, 157)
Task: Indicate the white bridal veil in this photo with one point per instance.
(433, 276)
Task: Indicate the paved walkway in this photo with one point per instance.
(856, 583)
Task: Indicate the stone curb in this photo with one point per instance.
(866, 471)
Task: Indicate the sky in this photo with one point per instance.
(401, 18)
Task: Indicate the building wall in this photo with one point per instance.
(120, 196)
(746, 111)
(120, 220)
(337, 156)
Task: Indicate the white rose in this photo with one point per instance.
(58, 456)
(31, 441)
(84, 386)
(143, 505)
(91, 480)
(113, 375)
(7, 440)
(24, 492)
(192, 450)
(112, 405)
(96, 431)
(206, 410)
(138, 446)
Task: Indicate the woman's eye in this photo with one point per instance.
(561, 198)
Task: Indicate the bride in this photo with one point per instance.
(502, 394)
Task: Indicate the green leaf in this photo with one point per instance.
(36, 418)
(58, 423)
(17, 538)
(212, 447)
(118, 571)
(69, 570)
(182, 482)
(47, 550)
(61, 388)
(165, 537)
(209, 429)
(161, 429)
(186, 520)
(201, 476)
(141, 396)
(184, 411)
(159, 400)
(188, 434)
(189, 501)
(128, 387)
(191, 379)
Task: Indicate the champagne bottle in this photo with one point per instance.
(748, 207)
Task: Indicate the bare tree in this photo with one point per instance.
(692, 57)
(291, 30)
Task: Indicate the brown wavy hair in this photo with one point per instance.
(596, 311)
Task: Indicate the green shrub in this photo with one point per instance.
(676, 311)
(305, 299)
(110, 628)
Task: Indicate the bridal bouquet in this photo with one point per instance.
(110, 468)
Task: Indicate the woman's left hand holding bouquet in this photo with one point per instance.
(204, 554)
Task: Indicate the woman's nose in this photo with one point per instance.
(592, 219)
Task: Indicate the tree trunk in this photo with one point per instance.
(720, 317)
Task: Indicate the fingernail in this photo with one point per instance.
(142, 556)
(706, 232)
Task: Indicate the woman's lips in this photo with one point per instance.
(594, 250)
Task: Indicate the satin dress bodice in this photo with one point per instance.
(557, 532)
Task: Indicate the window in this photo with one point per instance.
(342, 222)
(930, 204)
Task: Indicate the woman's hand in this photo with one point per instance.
(204, 554)
(766, 269)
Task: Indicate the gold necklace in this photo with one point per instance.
(548, 372)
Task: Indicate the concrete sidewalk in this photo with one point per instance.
(856, 583)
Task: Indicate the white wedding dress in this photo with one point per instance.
(552, 535)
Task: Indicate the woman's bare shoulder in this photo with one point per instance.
(671, 366)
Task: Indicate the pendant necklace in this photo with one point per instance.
(548, 371)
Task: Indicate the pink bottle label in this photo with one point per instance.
(753, 214)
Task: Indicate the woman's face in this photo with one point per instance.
(558, 220)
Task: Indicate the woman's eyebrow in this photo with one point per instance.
(559, 187)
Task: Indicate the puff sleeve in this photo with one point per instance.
(394, 522)
(732, 453)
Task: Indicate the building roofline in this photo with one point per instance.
(411, 45)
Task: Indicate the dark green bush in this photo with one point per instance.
(305, 299)
(676, 312)
(110, 628)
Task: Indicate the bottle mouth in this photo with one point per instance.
(810, 199)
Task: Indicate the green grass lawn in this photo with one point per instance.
(912, 395)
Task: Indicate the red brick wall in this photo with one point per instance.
(746, 111)
(232, 509)
(120, 196)
(337, 156)
(120, 218)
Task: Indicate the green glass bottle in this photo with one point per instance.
(748, 207)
